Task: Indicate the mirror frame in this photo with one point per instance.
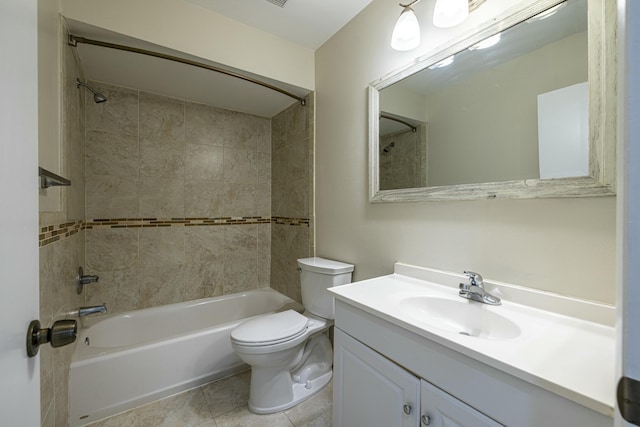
(602, 116)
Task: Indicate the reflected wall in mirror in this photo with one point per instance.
(522, 116)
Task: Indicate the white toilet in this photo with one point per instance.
(290, 353)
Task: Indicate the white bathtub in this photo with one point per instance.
(129, 359)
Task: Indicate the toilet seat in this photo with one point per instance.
(270, 329)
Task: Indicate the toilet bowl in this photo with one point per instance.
(290, 354)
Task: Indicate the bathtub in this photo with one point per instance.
(128, 359)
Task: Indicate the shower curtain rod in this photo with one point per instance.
(388, 117)
(74, 40)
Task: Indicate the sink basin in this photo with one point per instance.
(462, 317)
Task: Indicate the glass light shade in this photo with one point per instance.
(406, 33)
(448, 13)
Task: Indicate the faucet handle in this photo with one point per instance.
(475, 278)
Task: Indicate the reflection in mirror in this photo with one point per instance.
(510, 107)
(403, 152)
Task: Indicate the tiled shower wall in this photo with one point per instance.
(62, 249)
(292, 195)
(178, 200)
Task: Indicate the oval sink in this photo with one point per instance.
(462, 317)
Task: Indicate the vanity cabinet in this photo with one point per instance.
(371, 390)
(387, 375)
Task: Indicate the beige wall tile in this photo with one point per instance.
(111, 197)
(240, 258)
(263, 166)
(240, 166)
(263, 199)
(203, 199)
(263, 131)
(204, 124)
(162, 157)
(264, 255)
(161, 117)
(204, 280)
(111, 154)
(160, 284)
(240, 200)
(204, 162)
(240, 131)
(161, 197)
(109, 249)
(163, 246)
(204, 244)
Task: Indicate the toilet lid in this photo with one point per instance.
(270, 328)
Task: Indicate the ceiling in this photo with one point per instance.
(309, 23)
(305, 22)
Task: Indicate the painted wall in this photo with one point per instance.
(564, 245)
(188, 28)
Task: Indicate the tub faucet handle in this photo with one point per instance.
(84, 280)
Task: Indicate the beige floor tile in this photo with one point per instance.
(316, 411)
(241, 417)
(228, 393)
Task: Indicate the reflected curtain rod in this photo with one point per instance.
(74, 40)
(388, 117)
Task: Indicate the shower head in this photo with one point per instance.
(388, 148)
(97, 96)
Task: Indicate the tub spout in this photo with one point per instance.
(85, 311)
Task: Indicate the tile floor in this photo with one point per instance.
(223, 404)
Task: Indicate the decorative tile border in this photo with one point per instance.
(54, 233)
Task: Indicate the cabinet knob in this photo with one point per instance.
(406, 409)
(426, 420)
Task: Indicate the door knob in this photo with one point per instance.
(426, 420)
(406, 409)
(61, 333)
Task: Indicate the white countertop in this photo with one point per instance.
(570, 356)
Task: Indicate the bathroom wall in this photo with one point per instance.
(61, 237)
(178, 200)
(560, 245)
(292, 198)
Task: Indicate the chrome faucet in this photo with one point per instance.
(85, 311)
(474, 290)
(84, 279)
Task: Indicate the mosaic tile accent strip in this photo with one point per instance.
(54, 233)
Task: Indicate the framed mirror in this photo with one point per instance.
(522, 108)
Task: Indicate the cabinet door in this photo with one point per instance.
(440, 409)
(369, 390)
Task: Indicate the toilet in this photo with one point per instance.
(290, 353)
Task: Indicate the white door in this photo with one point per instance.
(628, 245)
(19, 375)
(370, 390)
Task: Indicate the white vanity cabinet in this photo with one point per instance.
(387, 375)
(370, 390)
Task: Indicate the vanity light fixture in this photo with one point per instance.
(486, 43)
(406, 33)
(448, 13)
(443, 63)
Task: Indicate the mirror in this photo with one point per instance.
(523, 108)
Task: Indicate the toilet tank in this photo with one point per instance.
(316, 275)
